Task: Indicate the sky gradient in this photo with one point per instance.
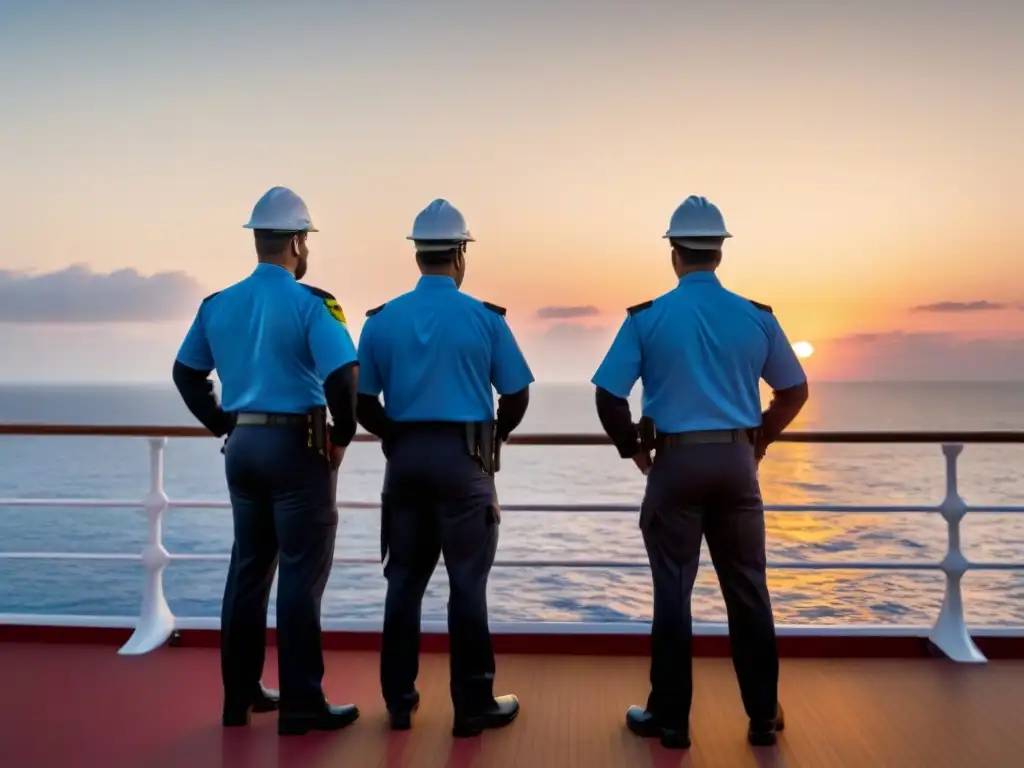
(868, 161)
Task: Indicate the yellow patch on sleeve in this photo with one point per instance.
(335, 309)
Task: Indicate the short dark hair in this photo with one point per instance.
(699, 256)
(440, 258)
(271, 242)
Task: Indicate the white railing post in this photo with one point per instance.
(156, 622)
(949, 633)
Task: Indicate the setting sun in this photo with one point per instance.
(803, 349)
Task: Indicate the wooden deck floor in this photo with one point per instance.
(68, 705)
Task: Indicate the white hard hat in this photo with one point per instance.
(697, 218)
(281, 210)
(438, 226)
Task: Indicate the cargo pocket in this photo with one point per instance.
(654, 495)
(493, 514)
(646, 515)
(648, 507)
(385, 529)
(494, 508)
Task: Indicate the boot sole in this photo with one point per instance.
(762, 739)
(301, 728)
(402, 721)
(235, 721)
(475, 728)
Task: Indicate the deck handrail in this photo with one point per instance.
(156, 623)
(538, 438)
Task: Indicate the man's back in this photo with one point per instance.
(258, 335)
(435, 352)
(701, 351)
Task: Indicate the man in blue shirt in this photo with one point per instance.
(435, 354)
(700, 351)
(282, 352)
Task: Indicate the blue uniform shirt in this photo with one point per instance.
(700, 351)
(272, 341)
(435, 353)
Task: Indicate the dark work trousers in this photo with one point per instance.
(281, 502)
(437, 499)
(708, 489)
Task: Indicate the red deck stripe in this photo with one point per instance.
(574, 645)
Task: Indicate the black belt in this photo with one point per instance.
(704, 437)
(271, 419)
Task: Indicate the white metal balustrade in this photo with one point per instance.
(156, 623)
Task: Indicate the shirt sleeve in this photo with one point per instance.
(329, 339)
(369, 376)
(195, 350)
(621, 367)
(782, 368)
(510, 372)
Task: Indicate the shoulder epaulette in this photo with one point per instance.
(640, 307)
(495, 308)
(762, 307)
(375, 310)
(318, 292)
(329, 302)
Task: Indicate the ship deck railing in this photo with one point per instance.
(156, 624)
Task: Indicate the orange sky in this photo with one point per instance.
(867, 160)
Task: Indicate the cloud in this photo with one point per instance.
(964, 306)
(567, 313)
(567, 351)
(76, 294)
(574, 333)
(900, 356)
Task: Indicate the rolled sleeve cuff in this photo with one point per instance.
(788, 382)
(611, 386)
(515, 384)
(194, 362)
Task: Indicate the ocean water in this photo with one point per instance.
(117, 468)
